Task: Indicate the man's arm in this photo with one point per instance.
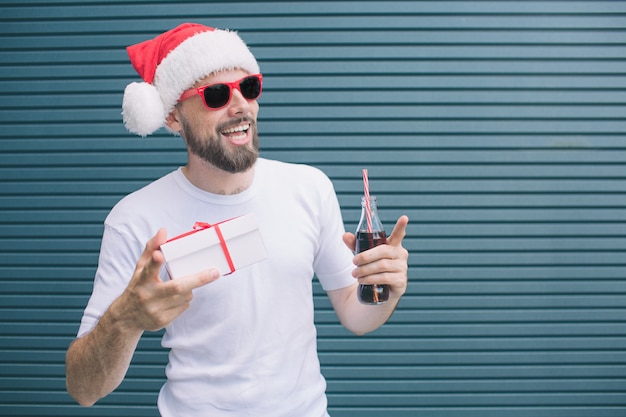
(97, 362)
(384, 264)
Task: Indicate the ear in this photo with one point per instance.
(172, 121)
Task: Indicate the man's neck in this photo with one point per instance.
(216, 181)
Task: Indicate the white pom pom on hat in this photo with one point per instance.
(143, 111)
(173, 62)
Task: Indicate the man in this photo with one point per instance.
(243, 344)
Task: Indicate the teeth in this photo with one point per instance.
(236, 129)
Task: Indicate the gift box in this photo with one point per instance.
(228, 246)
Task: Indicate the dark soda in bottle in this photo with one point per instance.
(370, 233)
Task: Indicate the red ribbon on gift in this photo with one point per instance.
(201, 226)
(198, 226)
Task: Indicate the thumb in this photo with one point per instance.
(152, 259)
(350, 240)
(154, 244)
(399, 231)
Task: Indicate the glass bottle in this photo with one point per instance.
(370, 233)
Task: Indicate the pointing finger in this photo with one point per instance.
(193, 281)
(399, 231)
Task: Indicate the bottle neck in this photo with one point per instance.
(372, 203)
(370, 221)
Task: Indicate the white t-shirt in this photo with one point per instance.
(247, 345)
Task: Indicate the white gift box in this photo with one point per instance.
(228, 246)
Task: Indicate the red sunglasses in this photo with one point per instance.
(218, 95)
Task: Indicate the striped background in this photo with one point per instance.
(496, 126)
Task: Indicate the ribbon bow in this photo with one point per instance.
(202, 226)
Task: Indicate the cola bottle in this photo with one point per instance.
(370, 233)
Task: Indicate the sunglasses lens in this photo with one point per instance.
(250, 87)
(216, 96)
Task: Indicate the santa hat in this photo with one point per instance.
(172, 63)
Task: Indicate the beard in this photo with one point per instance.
(213, 151)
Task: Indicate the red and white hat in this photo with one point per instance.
(172, 63)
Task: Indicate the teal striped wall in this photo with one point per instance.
(497, 126)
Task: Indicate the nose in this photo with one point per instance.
(238, 104)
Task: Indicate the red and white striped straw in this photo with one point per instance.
(368, 209)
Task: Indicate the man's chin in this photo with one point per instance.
(236, 166)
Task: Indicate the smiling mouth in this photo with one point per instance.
(237, 135)
(237, 132)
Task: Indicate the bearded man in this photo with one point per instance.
(243, 344)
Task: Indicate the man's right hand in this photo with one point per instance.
(151, 304)
(97, 362)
